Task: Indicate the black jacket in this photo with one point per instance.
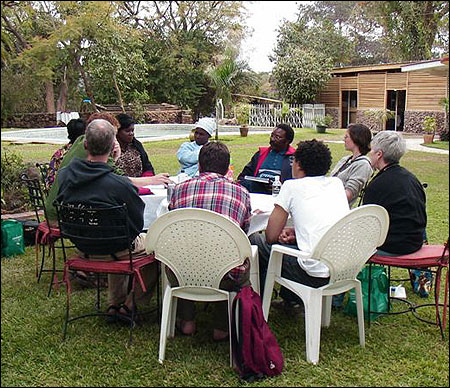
(402, 195)
(146, 164)
(96, 185)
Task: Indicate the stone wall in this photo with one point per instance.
(361, 118)
(47, 120)
(414, 121)
(333, 112)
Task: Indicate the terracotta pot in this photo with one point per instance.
(428, 138)
(244, 130)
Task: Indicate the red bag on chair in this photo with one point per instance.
(256, 353)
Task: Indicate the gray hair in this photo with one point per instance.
(391, 143)
(100, 136)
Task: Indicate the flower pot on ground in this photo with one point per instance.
(321, 128)
(429, 129)
(244, 130)
(242, 113)
(322, 123)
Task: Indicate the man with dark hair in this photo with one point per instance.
(314, 202)
(211, 190)
(268, 162)
(92, 182)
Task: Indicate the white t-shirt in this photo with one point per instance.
(315, 204)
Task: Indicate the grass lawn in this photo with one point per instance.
(400, 350)
(443, 145)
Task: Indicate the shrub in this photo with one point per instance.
(13, 191)
(429, 124)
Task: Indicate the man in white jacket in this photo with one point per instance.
(188, 152)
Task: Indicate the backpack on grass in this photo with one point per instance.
(256, 353)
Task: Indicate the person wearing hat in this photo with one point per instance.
(188, 152)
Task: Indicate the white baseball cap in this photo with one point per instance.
(206, 123)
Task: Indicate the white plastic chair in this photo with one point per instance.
(344, 248)
(200, 247)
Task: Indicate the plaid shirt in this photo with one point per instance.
(214, 192)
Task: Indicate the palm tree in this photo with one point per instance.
(228, 76)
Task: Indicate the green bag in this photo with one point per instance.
(12, 238)
(378, 294)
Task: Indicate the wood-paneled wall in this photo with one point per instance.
(372, 90)
(424, 91)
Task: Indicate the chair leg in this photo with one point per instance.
(230, 310)
(166, 307)
(173, 317)
(326, 310)
(66, 321)
(360, 313)
(274, 268)
(313, 315)
(51, 249)
(42, 262)
(133, 313)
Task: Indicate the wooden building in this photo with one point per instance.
(412, 90)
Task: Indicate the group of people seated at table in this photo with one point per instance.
(92, 172)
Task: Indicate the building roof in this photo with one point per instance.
(404, 66)
(434, 67)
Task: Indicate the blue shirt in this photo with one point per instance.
(272, 164)
(187, 155)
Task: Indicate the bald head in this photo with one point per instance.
(100, 136)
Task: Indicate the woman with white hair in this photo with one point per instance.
(399, 192)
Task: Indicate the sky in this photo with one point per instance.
(265, 17)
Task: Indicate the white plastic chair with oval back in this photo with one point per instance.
(200, 246)
(344, 248)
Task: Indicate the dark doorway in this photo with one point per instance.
(395, 102)
(349, 107)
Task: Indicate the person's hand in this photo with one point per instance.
(287, 236)
(159, 179)
(116, 152)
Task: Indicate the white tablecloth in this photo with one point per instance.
(156, 205)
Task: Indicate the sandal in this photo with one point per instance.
(124, 313)
(111, 313)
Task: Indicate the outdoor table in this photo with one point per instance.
(156, 205)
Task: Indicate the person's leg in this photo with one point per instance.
(259, 239)
(291, 270)
(220, 314)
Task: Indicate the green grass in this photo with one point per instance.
(443, 145)
(400, 350)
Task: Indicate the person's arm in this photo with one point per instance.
(147, 168)
(187, 154)
(358, 174)
(277, 221)
(249, 169)
(159, 179)
(287, 236)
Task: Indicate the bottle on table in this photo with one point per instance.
(182, 176)
(276, 186)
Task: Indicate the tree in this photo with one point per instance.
(411, 29)
(302, 74)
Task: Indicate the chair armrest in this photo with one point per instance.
(291, 251)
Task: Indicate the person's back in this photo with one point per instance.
(94, 184)
(399, 192)
(315, 203)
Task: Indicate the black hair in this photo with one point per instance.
(75, 128)
(214, 157)
(314, 157)
(124, 120)
(361, 136)
(289, 131)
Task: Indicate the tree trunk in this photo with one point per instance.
(87, 86)
(49, 96)
(119, 95)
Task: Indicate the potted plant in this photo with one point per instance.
(322, 123)
(242, 113)
(429, 129)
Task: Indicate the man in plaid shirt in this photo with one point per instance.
(212, 191)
